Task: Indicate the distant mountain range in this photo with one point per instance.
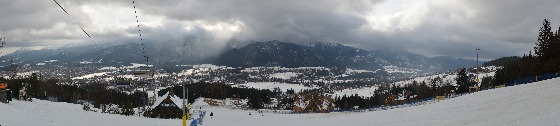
(276, 53)
(243, 54)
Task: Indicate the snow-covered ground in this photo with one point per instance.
(365, 91)
(271, 85)
(446, 78)
(530, 104)
(45, 113)
(285, 75)
(109, 68)
(350, 71)
(396, 69)
(449, 78)
(90, 75)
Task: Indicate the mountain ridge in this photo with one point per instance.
(247, 54)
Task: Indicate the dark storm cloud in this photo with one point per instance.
(293, 20)
(430, 27)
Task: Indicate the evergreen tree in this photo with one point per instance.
(486, 83)
(462, 81)
(544, 41)
(254, 100)
(555, 45)
(127, 109)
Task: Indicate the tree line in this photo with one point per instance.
(411, 92)
(545, 58)
(96, 92)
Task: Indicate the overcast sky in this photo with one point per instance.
(429, 27)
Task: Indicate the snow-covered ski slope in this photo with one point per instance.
(45, 113)
(530, 104)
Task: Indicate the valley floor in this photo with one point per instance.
(530, 104)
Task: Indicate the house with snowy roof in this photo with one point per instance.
(166, 106)
(313, 102)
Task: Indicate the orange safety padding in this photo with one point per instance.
(3, 85)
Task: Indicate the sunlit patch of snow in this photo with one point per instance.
(285, 75)
(90, 75)
(395, 69)
(364, 91)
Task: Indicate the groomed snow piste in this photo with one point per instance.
(530, 104)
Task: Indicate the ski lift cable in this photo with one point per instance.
(3, 40)
(140, 34)
(85, 32)
(70, 16)
(2, 43)
(61, 7)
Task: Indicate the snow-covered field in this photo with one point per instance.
(396, 69)
(530, 104)
(365, 91)
(286, 75)
(271, 85)
(91, 75)
(45, 113)
(446, 78)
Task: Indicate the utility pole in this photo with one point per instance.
(143, 98)
(187, 97)
(477, 67)
(183, 107)
(185, 117)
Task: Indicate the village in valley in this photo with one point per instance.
(291, 89)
